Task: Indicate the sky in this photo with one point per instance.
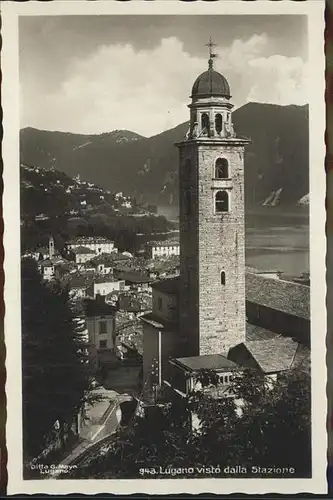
(95, 74)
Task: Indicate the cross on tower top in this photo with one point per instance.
(211, 44)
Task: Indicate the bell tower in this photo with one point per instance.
(212, 233)
(51, 247)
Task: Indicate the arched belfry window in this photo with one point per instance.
(221, 168)
(218, 123)
(222, 277)
(221, 202)
(204, 122)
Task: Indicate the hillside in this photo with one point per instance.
(49, 193)
(54, 203)
(276, 162)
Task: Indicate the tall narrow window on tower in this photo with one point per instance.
(218, 123)
(204, 123)
(221, 168)
(222, 277)
(221, 202)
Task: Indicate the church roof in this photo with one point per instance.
(285, 296)
(211, 83)
(207, 362)
(254, 332)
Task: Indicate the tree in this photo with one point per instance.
(273, 430)
(56, 372)
(158, 439)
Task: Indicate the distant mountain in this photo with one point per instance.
(276, 162)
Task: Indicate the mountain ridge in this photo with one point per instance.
(146, 168)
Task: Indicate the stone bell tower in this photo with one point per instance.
(212, 233)
(51, 247)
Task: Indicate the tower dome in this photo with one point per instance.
(211, 83)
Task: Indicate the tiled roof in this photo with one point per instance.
(107, 278)
(98, 308)
(273, 355)
(254, 332)
(105, 259)
(82, 250)
(159, 323)
(170, 285)
(89, 239)
(134, 277)
(285, 296)
(80, 280)
(115, 256)
(207, 362)
(165, 243)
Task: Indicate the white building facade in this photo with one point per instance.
(101, 326)
(164, 249)
(97, 245)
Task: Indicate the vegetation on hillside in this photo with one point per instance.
(51, 203)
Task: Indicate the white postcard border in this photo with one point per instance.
(314, 9)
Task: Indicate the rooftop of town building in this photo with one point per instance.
(98, 307)
(106, 278)
(90, 239)
(79, 280)
(164, 243)
(216, 362)
(134, 277)
(169, 285)
(82, 251)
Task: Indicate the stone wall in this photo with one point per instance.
(212, 314)
(189, 250)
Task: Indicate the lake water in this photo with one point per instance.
(275, 238)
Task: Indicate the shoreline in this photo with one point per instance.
(300, 212)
